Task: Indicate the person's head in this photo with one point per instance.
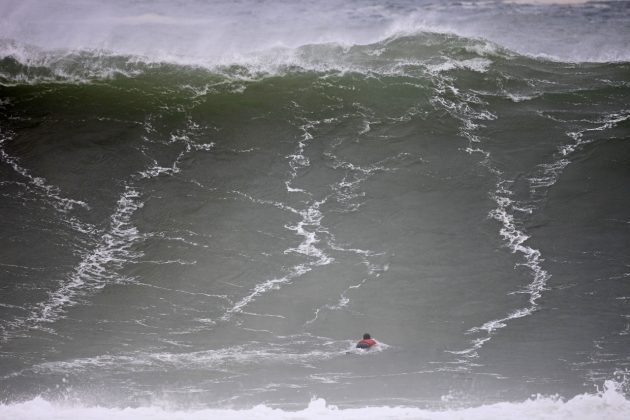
(366, 336)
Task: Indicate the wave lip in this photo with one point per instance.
(401, 54)
(589, 32)
(406, 53)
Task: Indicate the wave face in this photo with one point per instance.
(196, 235)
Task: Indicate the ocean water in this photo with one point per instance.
(205, 204)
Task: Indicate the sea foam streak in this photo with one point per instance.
(49, 192)
(111, 249)
(470, 110)
(308, 227)
(98, 267)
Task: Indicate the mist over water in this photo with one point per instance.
(206, 204)
(210, 32)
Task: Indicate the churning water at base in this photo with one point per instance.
(207, 236)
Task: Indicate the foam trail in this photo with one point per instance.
(341, 303)
(311, 218)
(345, 192)
(297, 160)
(608, 122)
(462, 108)
(168, 237)
(291, 352)
(276, 204)
(309, 227)
(94, 271)
(113, 249)
(550, 172)
(264, 287)
(51, 193)
(97, 268)
(515, 239)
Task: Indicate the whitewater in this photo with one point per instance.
(205, 204)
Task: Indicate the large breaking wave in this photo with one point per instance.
(233, 213)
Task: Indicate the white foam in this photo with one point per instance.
(98, 267)
(262, 288)
(268, 33)
(309, 227)
(468, 108)
(549, 173)
(609, 404)
(520, 97)
(168, 237)
(608, 122)
(296, 350)
(479, 65)
(515, 240)
(157, 170)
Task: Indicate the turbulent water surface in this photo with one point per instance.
(205, 205)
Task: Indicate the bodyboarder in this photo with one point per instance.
(366, 343)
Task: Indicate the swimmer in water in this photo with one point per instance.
(366, 343)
